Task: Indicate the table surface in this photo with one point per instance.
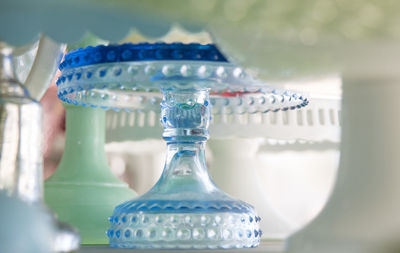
(269, 246)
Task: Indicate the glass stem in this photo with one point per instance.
(185, 116)
(185, 169)
(84, 158)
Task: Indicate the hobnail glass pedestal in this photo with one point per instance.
(184, 209)
(261, 144)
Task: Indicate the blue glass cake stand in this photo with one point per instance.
(184, 209)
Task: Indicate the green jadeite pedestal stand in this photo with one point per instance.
(83, 191)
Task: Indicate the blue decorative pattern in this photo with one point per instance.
(184, 209)
(218, 230)
(133, 86)
(142, 52)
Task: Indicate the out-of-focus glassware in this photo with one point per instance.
(20, 156)
(316, 123)
(184, 209)
(82, 190)
(35, 65)
(21, 161)
(24, 228)
(23, 59)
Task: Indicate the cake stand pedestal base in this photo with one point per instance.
(363, 213)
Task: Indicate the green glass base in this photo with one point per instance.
(83, 191)
(86, 206)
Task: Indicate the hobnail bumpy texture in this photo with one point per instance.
(134, 86)
(142, 52)
(184, 209)
(150, 76)
(185, 230)
(129, 76)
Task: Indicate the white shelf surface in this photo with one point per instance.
(265, 247)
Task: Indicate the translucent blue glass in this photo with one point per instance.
(184, 209)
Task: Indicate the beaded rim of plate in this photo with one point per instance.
(110, 78)
(142, 52)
